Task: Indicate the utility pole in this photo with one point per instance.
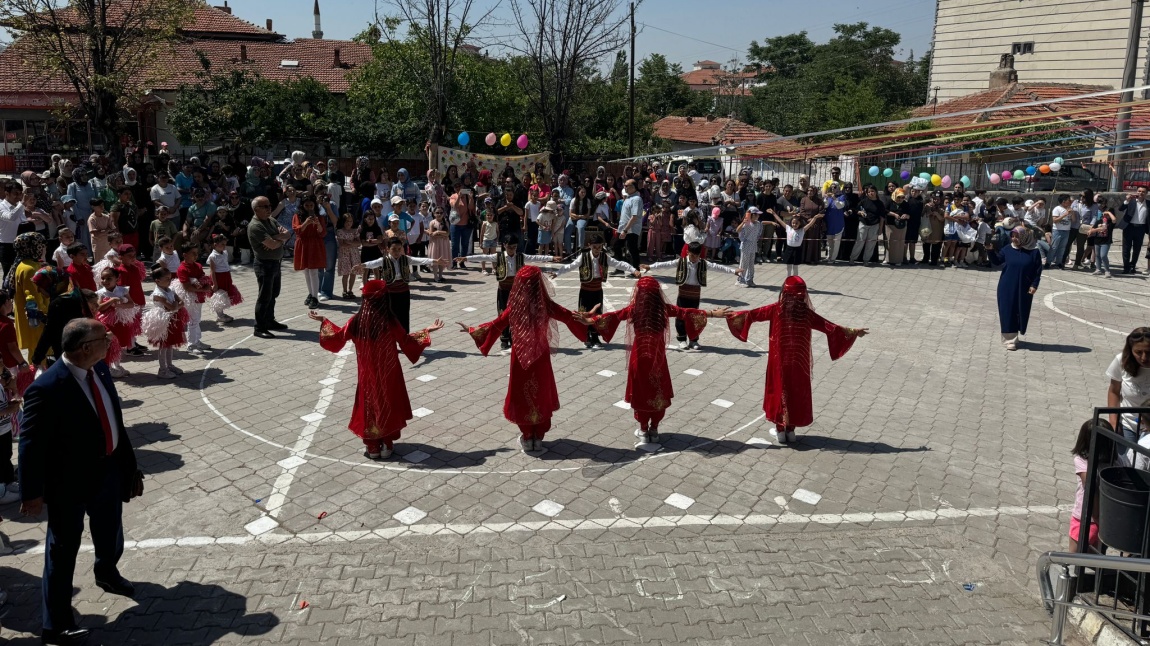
(1129, 73)
(631, 116)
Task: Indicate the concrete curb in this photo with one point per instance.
(1093, 629)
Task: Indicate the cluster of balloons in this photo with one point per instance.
(505, 141)
(944, 181)
(1030, 171)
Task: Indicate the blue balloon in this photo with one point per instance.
(873, 171)
(1030, 170)
(463, 139)
(925, 176)
(905, 174)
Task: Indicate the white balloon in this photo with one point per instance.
(1055, 167)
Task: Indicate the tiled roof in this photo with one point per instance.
(698, 130)
(712, 77)
(705, 63)
(316, 59)
(1015, 93)
(210, 20)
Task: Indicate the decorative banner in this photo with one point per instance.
(522, 164)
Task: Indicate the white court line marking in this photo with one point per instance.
(1049, 302)
(591, 524)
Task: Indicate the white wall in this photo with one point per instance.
(1075, 41)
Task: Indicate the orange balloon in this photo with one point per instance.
(1044, 169)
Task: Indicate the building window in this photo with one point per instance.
(1022, 48)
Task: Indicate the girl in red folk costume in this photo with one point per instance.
(118, 313)
(787, 398)
(132, 273)
(164, 321)
(381, 408)
(649, 389)
(531, 394)
(226, 294)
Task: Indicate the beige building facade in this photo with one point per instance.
(1053, 41)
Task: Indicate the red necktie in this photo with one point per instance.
(105, 422)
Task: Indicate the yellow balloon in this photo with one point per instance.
(505, 139)
(936, 180)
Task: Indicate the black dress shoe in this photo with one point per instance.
(264, 334)
(276, 325)
(64, 637)
(120, 586)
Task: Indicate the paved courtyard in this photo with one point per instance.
(911, 511)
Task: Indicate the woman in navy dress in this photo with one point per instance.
(1021, 271)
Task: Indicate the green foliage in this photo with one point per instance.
(239, 108)
(659, 90)
(850, 80)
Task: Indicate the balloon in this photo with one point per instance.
(1058, 160)
(995, 179)
(1055, 167)
(873, 171)
(1005, 175)
(905, 174)
(965, 181)
(521, 142)
(490, 139)
(463, 139)
(1030, 170)
(1044, 169)
(925, 176)
(1018, 174)
(505, 140)
(936, 180)
(887, 172)
(946, 181)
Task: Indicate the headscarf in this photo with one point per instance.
(529, 309)
(794, 299)
(29, 246)
(402, 176)
(375, 314)
(362, 162)
(1024, 238)
(648, 321)
(129, 177)
(298, 157)
(50, 280)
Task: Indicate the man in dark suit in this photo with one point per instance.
(75, 457)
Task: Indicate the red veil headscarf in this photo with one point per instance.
(532, 327)
(647, 325)
(375, 313)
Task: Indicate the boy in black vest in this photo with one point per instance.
(396, 267)
(593, 265)
(691, 276)
(507, 263)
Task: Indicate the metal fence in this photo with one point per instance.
(1118, 594)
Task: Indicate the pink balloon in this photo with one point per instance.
(946, 181)
(522, 142)
(1006, 174)
(490, 139)
(995, 179)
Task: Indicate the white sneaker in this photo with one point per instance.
(117, 372)
(10, 495)
(791, 438)
(1109, 275)
(1097, 273)
(682, 345)
(1011, 345)
(695, 345)
(640, 434)
(526, 445)
(781, 438)
(385, 453)
(323, 299)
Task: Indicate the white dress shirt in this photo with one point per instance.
(1134, 208)
(595, 266)
(511, 268)
(692, 269)
(378, 262)
(11, 217)
(81, 377)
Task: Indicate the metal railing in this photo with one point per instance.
(1058, 597)
(1130, 580)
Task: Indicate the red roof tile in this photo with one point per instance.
(705, 79)
(316, 59)
(698, 130)
(210, 20)
(1015, 93)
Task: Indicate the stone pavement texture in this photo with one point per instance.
(936, 459)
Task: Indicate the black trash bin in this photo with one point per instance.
(1123, 502)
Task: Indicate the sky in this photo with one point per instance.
(677, 29)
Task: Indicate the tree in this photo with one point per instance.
(106, 50)
(439, 29)
(851, 79)
(660, 90)
(240, 109)
(562, 40)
